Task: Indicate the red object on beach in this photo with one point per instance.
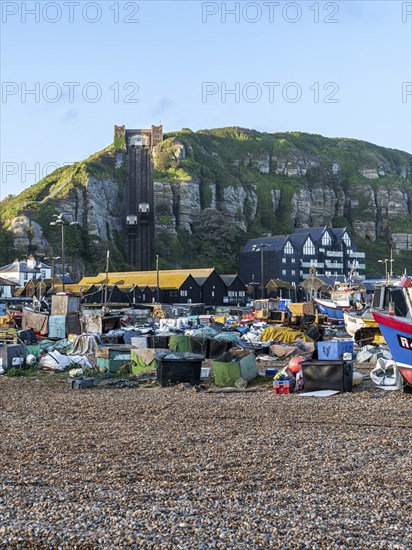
(294, 364)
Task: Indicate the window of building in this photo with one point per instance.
(293, 272)
(346, 239)
(183, 293)
(283, 260)
(309, 248)
(326, 240)
(293, 260)
(288, 248)
(242, 293)
(43, 273)
(284, 272)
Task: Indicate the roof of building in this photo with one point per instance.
(228, 279)
(19, 291)
(75, 289)
(197, 272)
(41, 265)
(67, 279)
(297, 238)
(269, 244)
(21, 267)
(278, 283)
(338, 232)
(7, 282)
(168, 280)
(315, 232)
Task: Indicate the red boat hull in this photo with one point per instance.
(407, 374)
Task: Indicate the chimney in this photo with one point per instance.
(31, 262)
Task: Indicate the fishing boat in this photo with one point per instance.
(335, 307)
(397, 332)
(362, 327)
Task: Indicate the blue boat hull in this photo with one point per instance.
(397, 332)
(334, 314)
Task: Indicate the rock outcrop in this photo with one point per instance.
(28, 235)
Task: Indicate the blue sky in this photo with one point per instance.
(331, 68)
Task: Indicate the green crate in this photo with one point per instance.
(110, 365)
(139, 365)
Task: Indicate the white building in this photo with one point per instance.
(20, 272)
(6, 288)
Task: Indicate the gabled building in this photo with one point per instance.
(235, 290)
(176, 286)
(330, 251)
(278, 258)
(6, 288)
(20, 272)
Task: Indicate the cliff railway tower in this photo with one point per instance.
(139, 213)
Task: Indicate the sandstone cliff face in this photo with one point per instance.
(96, 207)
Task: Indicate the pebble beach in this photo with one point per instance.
(173, 468)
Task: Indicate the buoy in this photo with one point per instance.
(294, 364)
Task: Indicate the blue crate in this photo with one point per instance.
(333, 350)
(271, 371)
(285, 381)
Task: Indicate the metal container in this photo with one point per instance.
(11, 355)
(63, 304)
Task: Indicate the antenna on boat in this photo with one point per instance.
(391, 266)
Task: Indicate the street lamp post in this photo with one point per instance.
(60, 221)
(262, 246)
(53, 260)
(157, 278)
(385, 261)
(388, 272)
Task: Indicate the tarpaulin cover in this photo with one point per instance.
(57, 326)
(85, 344)
(28, 337)
(55, 361)
(92, 323)
(283, 334)
(304, 349)
(143, 359)
(180, 343)
(386, 375)
(227, 337)
(203, 333)
(37, 321)
(129, 334)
